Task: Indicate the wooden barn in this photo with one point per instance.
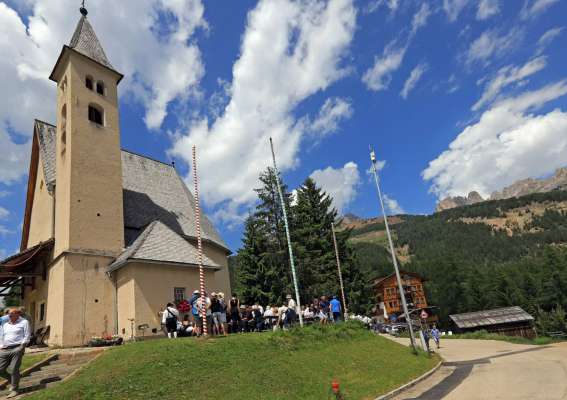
(509, 321)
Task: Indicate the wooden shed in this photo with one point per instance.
(509, 321)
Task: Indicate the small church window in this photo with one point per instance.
(89, 83)
(100, 88)
(96, 115)
(179, 294)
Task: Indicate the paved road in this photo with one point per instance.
(494, 370)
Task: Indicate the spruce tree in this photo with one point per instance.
(263, 274)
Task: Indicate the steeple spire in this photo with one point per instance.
(85, 41)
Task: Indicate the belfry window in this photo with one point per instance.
(100, 87)
(89, 82)
(96, 114)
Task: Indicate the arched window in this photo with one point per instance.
(100, 87)
(89, 82)
(63, 84)
(96, 114)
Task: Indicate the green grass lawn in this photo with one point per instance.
(299, 364)
(31, 359)
(484, 335)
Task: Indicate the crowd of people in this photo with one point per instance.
(224, 316)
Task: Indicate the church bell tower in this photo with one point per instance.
(89, 227)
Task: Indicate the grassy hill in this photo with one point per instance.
(490, 254)
(299, 364)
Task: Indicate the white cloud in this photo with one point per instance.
(487, 9)
(412, 80)
(4, 193)
(341, 183)
(547, 38)
(392, 206)
(160, 61)
(533, 8)
(289, 52)
(420, 18)
(508, 143)
(453, 8)
(4, 213)
(507, 76)
(333, 111)
(376, 4)
(491, 44)
(380, 75)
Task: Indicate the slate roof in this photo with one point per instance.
(159, 243)
(497, 316)
(152, 191)
(46, 138)
(85, 41)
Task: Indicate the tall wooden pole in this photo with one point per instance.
(203, 309)
(284, 212)
(345, 311)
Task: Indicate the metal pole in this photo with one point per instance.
(339, 269)
(288, 237)
(394, 260)
(199, 246)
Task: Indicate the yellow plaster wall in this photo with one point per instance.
(89, 211)
(41, 221)
(37, 295)
(56, 309)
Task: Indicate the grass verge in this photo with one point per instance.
(484, 335)
(31, 359)
(298, 364)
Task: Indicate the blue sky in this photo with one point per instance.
(455, 95)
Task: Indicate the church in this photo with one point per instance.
(109, 236)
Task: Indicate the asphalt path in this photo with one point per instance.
(493, 370)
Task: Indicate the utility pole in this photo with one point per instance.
(339, 268)
(392, 251)
(284, 212)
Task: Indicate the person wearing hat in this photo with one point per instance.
(195, 311)
(216, 310)
(291, 310)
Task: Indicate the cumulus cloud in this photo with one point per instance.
(453, 8)
(392, 205)
(167, 66)
(3, 230)
(333, 111)
(412, 80)
(547, 38)
(289, 52)
(340, 183)
(4, 213)
(508, 143)
(509, 75)
(533, 8)
(487, 9)
(492, 44)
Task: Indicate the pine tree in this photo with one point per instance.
(263, 273)
(317, 266)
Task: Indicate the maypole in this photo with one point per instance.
(287, 236)
(393, 252)
(203, 309)
(339, 269)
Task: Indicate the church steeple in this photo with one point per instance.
(85, 42)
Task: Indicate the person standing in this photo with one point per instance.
(335, 305)
(169, 319)
(14, 335)
(436, 335)
(234, 308)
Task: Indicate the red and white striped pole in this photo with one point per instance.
(199, 245)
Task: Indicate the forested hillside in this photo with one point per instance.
(490, 254)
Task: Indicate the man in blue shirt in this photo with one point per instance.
(336, 309)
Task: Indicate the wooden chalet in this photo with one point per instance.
(389, 304)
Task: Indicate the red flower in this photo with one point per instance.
(183, 306)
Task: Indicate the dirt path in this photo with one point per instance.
(487, 369)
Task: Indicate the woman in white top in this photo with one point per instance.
(169, 318)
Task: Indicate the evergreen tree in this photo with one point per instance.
(263, 274)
